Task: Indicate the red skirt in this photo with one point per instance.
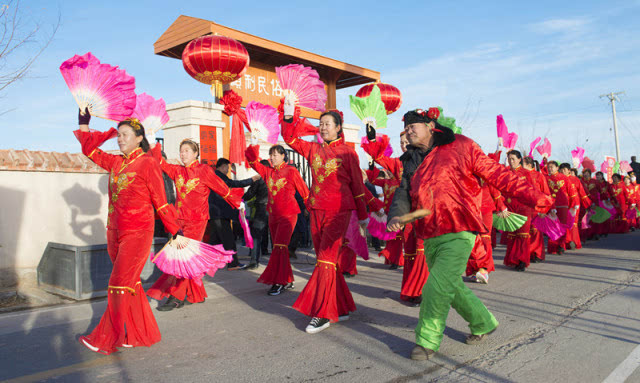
(128, 319)
(278, 270)
(573, 235)
(482, 253)
(180, 288)
(518, 245)
(327, 295)
(392, 252)
(536, 244)
(347, 260)
(553, 246)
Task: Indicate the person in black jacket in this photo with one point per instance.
(635, 165)
(257, 197)
(170, 192)
(221, 213)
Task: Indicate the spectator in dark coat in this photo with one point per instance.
(257, 197)
(635, 166)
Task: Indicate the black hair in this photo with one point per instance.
(616, 175)
(586, 170)
(552, 163)
(574, 171)
(280, 149)
(537, 164)
(222, 162)
(516, 153)
(337, 119)
(529, 161)
(565, 165)
(601, 173)
(138, 130)
(192, 144)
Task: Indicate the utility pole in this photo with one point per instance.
(612, 98)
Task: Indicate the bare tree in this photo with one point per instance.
(22, 41)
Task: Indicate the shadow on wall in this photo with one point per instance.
(86, 220)
(11, 211)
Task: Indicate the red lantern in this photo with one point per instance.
(391, 96)
(215, 60)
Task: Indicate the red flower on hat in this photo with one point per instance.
(434, 113)
(337, 111)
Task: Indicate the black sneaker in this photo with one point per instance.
(521, 266)
(289, 286)
(252, 266)
(186, 301)
(316, 325)
(276, 290)
(393, 267)
(347, 275)
(170, 304)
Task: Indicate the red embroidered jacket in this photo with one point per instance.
(376, 150)
(592, 189)
(337, 180)
(388, 186)
(583, 197)
(619, 197)
(193, 184)
(135, 185)
(563, 191)
(282, 182)
(492, 199)
(513, 203)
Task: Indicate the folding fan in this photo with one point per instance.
(545, 148)
(304, 84)
(187, 258)
(511, 223)
(378, 228)
(577, 156)
(608, 207)
(600, 215)
(370, 110)
(533, 145)
(551, 226)
(382, 139)
(248, 239)
(508, 140)
(356, 240)
(152, 114)
(263, 121)
(108, 92)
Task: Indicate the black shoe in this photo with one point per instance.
(347, 275)
(289, 286)
(393, 267)
(276, 290)
(186, 301)
(415, 301)
(316, 325)
(560, 251)
(170, 304)
(252, 266)
(292, 255)
(378, 249)
(534, 259)
(521, 266)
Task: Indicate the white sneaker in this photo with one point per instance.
(482, 277)
(88, 345)
(127, 345)
(316, 325)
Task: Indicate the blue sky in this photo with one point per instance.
(541, 64)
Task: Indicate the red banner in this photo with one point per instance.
(208, 145)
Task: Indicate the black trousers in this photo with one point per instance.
(222, 234)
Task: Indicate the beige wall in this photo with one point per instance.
(41, 207)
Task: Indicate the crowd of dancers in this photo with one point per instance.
(440, 199)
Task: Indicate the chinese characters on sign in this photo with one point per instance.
(208, 145)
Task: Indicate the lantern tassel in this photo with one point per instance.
(217, 90)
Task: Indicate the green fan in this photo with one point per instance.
(600, 215)
(370, 109)
(638, 211)
(512, 223)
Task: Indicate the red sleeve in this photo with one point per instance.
(90, 141)
(299, 184)
(219, 187)
(372, 174)
(357, 184)
(584, 198)
(373, 203)
(497, 198)
(171, 169)
(167, 212)
(542, 181)
(376, 150)
(507, 182)
(572, 193)
(292, 138)
(252, 154)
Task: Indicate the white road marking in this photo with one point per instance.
(626, 368)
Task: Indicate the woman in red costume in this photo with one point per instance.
(415, 271)
(193, 183)
(536, 240)
(635, 191)
(135, 189)
(282, 181)
(619, 200)
(337, 190)
(392, 252)
(631, 189)
(573, 233)
(518, 253)
(603, 228)
(565, 195)
(590, 185)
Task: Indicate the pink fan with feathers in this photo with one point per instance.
(378, 228)
(187, 258)
(263, 121)
(625, 167)
(577, 156)
(152, 114)
(108, 92)
(587, 163)
(545, 148)
(508, 140)
(304, 84)
(533, 145)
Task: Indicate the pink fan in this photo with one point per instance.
(545, 148)
(187, 258)
(304, 84)
(587, 163)
(604, 167)
(355, 239)
(107, 91)
(587, 218)
(606, 205)
(378, 228)
(577, 156)
(508, 140)
(263, 121)
(248, 239)
(152, 114)
(631, 214)
(551, 226)
(625, 167)
(533, 146)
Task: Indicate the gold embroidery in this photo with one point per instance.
(316, 189)
(120, 182)
(330, 167)
(274, 187)
(185, 188)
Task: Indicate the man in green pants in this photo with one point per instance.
(441, 175)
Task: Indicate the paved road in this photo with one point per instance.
(574, 318)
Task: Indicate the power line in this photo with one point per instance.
(612, 99)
